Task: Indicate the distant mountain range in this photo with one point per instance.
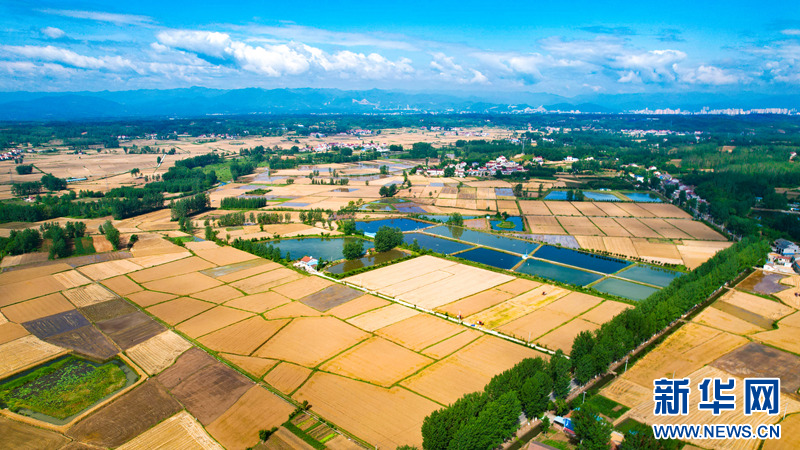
(194, 102)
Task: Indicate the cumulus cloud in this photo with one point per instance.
(53, 32)
(282, 59)
(447, 69)
(707, 75)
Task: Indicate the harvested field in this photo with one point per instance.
(172, 269)
(219, 294)
(122, 285)
(574, 303)
(37, 308)
(258, 303)
(311, 340)
(18, 435)
(357, 306)
(451, 345)
(185, 366)
(475, 303)
(158, 352)
(697, 230)
(331, 297)
(579, 225)
(663, 210)
(101, 244)
(596, 243)
(290, 310)
(250, 364)
(420, 331)
(637, 228)
(659, 251)
(287, 377)
(157, 260)
(56, 324)
(784, 338)
(130, 329)
(400, 272)
(755, 360)
(210, 391)
(126, 417)
(221, 256)
(465, 281)
(384, 417)
(89, 295)
(264, 281)
(588, 209)
(627, 392)
(86, 341)
(377, 361)
(518, 286)
(16, 276)
(382, 317)
(519, 306)
(468, 370)
(257, 409)
(24, 352)
(609, 227)
(604, 312)
(620, 245)
(236, 272)
(790, 435)
(537, 323)
(23, 290)
(302, 287)
(183, 284)
(71, 279)
(178, 310)
(562, 208)
(211, 320)
(758, 305)
(109, 269)
(533, 208)
(509, 206)
(612, 209)
(179, 431)
(688, 349)
(635, 210)
(695, 253)
(10, 331)
(544, 225)
(243, 338)
(665, 229)
(562, 337)
(149, 298)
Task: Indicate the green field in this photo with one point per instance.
(62, 388)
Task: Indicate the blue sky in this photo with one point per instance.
(567, 48)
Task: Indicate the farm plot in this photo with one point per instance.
(579, 225)
(517, 307)
(785, 337)
(243, 338)
(609, 227)
(657, 251)
(697, 230)
(790, 435)
(595, 243)
(286, 377)
(109, 269)
(235, 272)
(756, 360)
(10, 331)
(377, 361)
(562, 337)
(126, 417)
(562, 208)
(452, 344)
(588, 209)
(665, 210)
(158, 352)
(37, 308)
(420, 331)
(178, 310)
(258, 303)
(172, 269)
(665, 229)
(382, 317)
(716, 318)
(620, 246)
(544, 225)
(534, 208)
(130, 329)
(179, 431)
(266, 280)
(107, 310)
(250, 364)
(185, 284)
(762, 282)
(467, 370)
(637, 228)
(257, 409)
(71, 279)
(291, 310)
(89, 295)
(695, 253)
(465, 281)
(122, 285)
(604, 312)
(302, 287)
(23, 436)
(56, 324)
(612, 209)
(149, 298)
(23, 290)
(508, 206)
(358, 306)
(311, 340)
(760, 306)
(211, 320)
(219, 294)
(210, 391)
(383, 417)
(397, 273)
(635, 210)
(331, 297)
(25, 352)
(224, 255)
(87, 341)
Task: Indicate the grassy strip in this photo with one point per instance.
(303, 435)
(607, 407)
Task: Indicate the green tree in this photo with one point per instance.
(559, 373)
(112, 234)
(456, 219)
(641, 437)
(518, 190)
(383, 191)
(210, 235)
(25, 169)
(593, 431)
(353, 249)
(384, 170)
(347, 227)
(387, 238)
(535, 394)
(449, 171)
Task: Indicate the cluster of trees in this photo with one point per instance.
(347, 227)
(184, 179)
(243, 203)
(575, 195)
(313, 216)
(111, 233)
(388, 191)
(387, 238)
(199, 161)
(19, 242)
(456, 219)
(231, 220)
(483, 420)
(331, 181)
(241, 168)
(26, 188)
(592, 353)
(61, 237)
(53, 183)
(259, 249)
(24, 169)
(353, 249)
(191, 205)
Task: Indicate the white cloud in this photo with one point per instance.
(319, 36)
(448, 70)
(707, 75)
(68, 57)
(99, 16)
(53, 32)
(791, 32)
(282, 59)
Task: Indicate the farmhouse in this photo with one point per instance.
(785, 247)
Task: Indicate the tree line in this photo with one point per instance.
(242, 203)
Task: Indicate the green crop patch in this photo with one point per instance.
(62, 388)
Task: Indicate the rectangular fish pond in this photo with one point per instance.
(436, 244)
(366, 261)
(559, 273)
(485, 239)
(650, 275)
(624, 289)
(643, 197)
(601, 196)
(402, 223)
(329, 249)
(491, 258)
(61, 389)
(582, 260)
